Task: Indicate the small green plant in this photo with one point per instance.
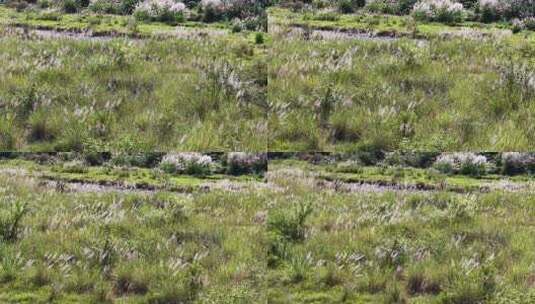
(259, 38)
(69, 6)
(350, 6)
(289, 224)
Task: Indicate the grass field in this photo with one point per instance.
(187, 241)
(64, 94)
(120, 180)
(314, 229)
(379, 82)
(368, 242)
(75, 84)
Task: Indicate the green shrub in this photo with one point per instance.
(10, 264)
(239, 163)
(143, 160)
(11, 215)
(445, 11)
(289, 224)
(349, 167)
(529, 23)
(44, 4)
(187, 163)
(7, 139)
(259, 38)
(404, 7)
(49, 15)
(69, 6)
(345, 6)
(131, 280)
(350, 6)
(127, 7)
(462, 163)
(104, 7)
(210, 14)
(74, 167)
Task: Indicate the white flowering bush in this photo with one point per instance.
(438, 10)
(187, 163)
(160, 10)
(245, 163)
(461, 163)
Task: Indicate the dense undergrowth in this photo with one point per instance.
(61, 247)
(297, 240)
(240, 15)
(331, 246)
(519, 14)
(139, 95)
(442, 94)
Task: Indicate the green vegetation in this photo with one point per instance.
(144, 171)
(306, 236)
(389, 174)
(64, 94)
(332, 244)
(384, 24)
(74, 246)
(460, 89)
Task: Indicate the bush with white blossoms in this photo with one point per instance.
(244, 163)
(160, 10)
(462, 163)
(438, 10)
(187, 163)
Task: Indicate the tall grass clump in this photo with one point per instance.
(11, 216)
